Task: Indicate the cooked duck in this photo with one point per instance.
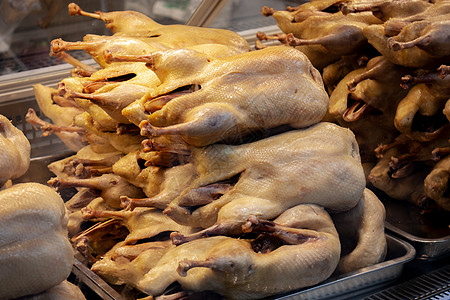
(273, 87)
(298, 160)
(420, 114)
(322, 35)
(35, 253)
(232, 268)
(436, 184)
(361, 230)
(15, 151)
(386, 9)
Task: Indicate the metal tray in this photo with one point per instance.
(339, 287)
(428, 232)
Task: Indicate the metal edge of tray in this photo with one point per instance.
(361, 280)
(426, 249)
(93, 281)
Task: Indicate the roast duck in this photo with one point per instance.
(202, 166)
(385, 67)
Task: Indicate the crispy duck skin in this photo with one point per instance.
(276, 86)
(230, 266)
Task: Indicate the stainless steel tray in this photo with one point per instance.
(92, 281)
(428, 232)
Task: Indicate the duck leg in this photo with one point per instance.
(112, 187)
(74, 10)
(289, 235)
(58, 45)
(81, 68)
(434, 40)
(48, 128)
(111, 102)
(159, 201)
(334, 42)
(203, 124)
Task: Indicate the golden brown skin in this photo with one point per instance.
(60, 116)
(142, 223)
(335, 72)
(386, 9)
(403, 166)
(127, 264)
(419, 40)
(111, 187)
(376, 86)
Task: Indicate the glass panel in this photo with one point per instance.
(238, 15)
(28, 26)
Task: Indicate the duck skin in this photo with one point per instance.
(238, 95)
(302, 161)
(15, 151)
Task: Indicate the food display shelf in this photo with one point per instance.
(401, 255)
(417, 265)
(411, 253)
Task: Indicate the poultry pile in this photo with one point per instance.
(36, 256)
(385, 68)
(203, 167)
